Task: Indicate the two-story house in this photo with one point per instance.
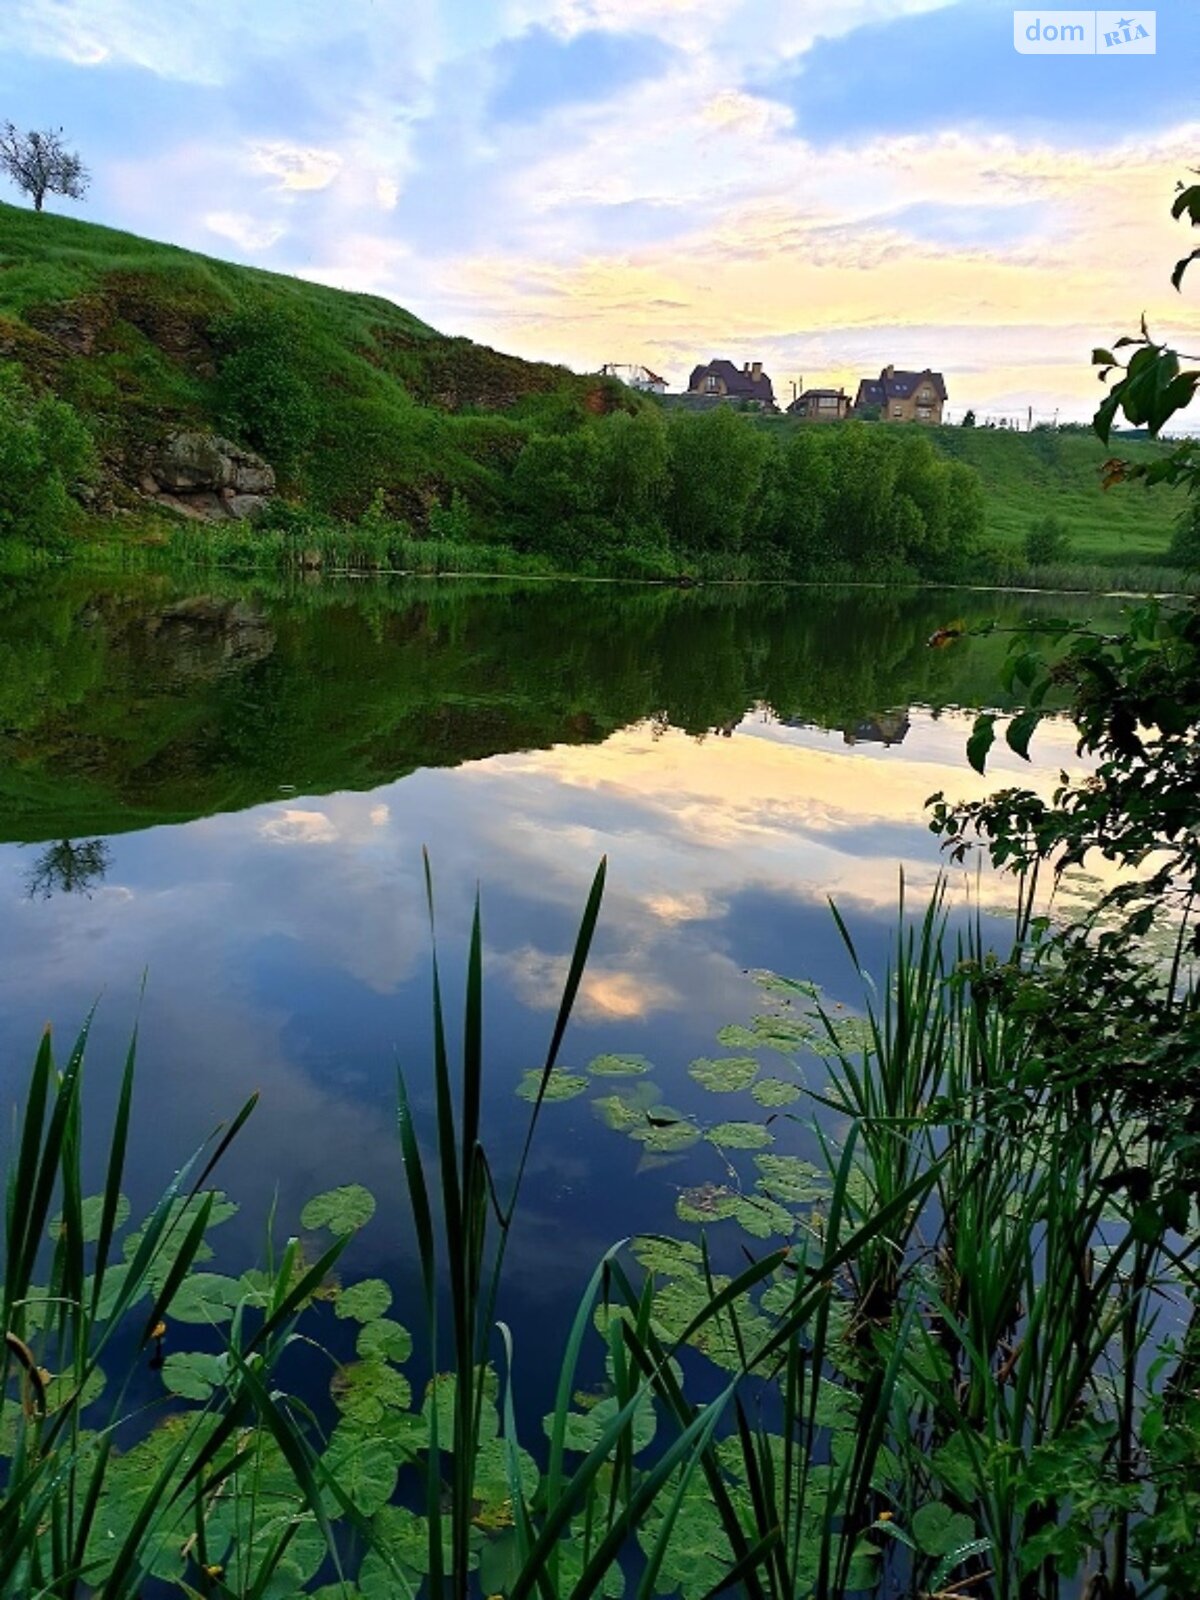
(721, 380)
(903, 396)
(821, 405)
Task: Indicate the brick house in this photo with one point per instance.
(821, 405)
(721, 380)
(904, 396)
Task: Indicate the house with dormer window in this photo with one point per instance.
(903, 396)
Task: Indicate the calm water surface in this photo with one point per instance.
(228, 790)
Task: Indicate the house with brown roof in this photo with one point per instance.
(821, 405)
(721, 380)
(903, 396)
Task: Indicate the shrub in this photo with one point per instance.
(45, 453)
(1047, 540)
(263, 398)
(1185, 541)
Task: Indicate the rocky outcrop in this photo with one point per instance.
(209, 478)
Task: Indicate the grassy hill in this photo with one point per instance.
(141, 338)
(1027, 475)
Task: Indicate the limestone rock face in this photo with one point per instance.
(208, 477)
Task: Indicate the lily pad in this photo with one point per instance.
(204, 1297)
(364, 1301)
(618, 1066)
(584, 1431)
(773, 1092)
(789, 1179)
(384, 1340)
(725, 1074)
(91, 1215)
(664, 1131)
(364, 1390)
(561, 1085)
(341, 1210)
(194, 1374)
(740, 1136)
(670, 1257)
(706, 1202)
(364, 1467)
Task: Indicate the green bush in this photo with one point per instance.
(1048, 540)
(263, 399)
(45, 453)
(1185, 541)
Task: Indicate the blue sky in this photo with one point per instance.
(825, 185)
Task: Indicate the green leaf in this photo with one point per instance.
(204, 1297)
(981, 741)
(618, 1066)
(194, 1374)
(341, 1210)
(740, 1135)
(364, 1390)
(772, 1092)
(364, 1467)
(384, 1340)
(726, 1074)
(791, 1180)
(672, 1258)
(92, 1214)
(938, 1530)
(364, 1301)
(560, 1085)
(1020, 731)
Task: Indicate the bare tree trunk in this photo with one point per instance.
(38, 197)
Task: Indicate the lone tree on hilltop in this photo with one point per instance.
(41, 164)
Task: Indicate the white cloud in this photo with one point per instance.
(295, 167)
(300, 827)
(251, 233)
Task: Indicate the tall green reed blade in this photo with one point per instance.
(467, 1192)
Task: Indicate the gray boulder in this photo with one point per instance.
(206, 476)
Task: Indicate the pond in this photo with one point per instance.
(223, 790)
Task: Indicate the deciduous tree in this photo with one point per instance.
(40, 163)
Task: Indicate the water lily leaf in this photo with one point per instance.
(442, 1390)
(789, 1179)
(664, 1131)
(364, 1467)
(364, 1390)
(384, 1340)
(740, 1135)
(584, 1431)
(204, 1297)
(762, 1217)
(340, 1210)
(773, 1092)
(671, 1257)
(194, 1374)
(364, 1301)
(618, 1066)
(625, 1108)
(938, 1530)
(706, 1202)
(492, 1487)
(92, 1213)
(561, 1085)
(726, 1074)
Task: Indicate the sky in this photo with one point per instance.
(825, 186)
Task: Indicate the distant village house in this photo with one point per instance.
(821, 405)
(903, 396)
(721, 380)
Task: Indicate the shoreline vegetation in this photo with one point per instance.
(378, 444)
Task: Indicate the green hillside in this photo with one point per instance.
(345, 393)
(1028, 475)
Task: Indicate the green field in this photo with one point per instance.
(1029, 475)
